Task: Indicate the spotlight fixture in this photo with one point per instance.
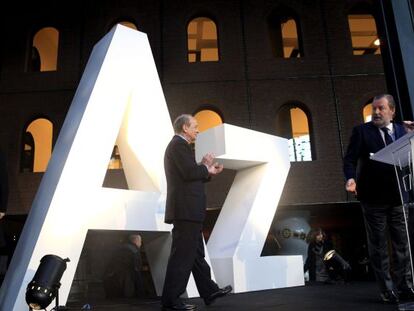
(45, 285)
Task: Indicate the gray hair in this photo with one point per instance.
(180, 121)
(389, 98)
(134, 237)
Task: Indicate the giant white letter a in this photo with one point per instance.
(106, 109)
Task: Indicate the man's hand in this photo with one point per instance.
(408, 125)
(215, 169)
(208, 159)
(2, 215)
(350, 185)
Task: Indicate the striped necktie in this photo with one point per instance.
(387, 136)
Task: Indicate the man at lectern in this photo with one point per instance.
(376, 187)
(185, 209)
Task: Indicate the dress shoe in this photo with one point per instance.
(389, 297)
(219, 293)
(407, 294)
(179, 306)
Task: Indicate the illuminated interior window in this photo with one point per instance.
(44, 50)
(284, 34)
(367, 112)
(293, 124)
(290, 39)
(37, 146)
(129, 24)
(115, 162)
(299, 144)
(364, 34)
(207, 119)
(202, 40)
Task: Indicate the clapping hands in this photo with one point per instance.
(213, 168)
(208, 159)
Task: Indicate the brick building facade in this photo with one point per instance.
(247, 86)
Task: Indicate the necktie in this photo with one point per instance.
(387, 136)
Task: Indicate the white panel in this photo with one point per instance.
(238, 237)
(400, 149)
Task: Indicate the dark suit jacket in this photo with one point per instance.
(186, 199)
(376, 181)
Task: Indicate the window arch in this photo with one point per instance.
(367, 111)
(284, 31)
(363, 30)
(44, 50)
(292, 122)
(202, 42)
(128, 24)
(207, 119)
(37, 146)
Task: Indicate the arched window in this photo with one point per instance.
(115, 162)
(363, 31)
(292, 123)
(37, 146)
(202, 40)
(128, 24)
(367, 111)
(284, 33)
(207, 119)
(44, 52)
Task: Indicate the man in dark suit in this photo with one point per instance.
(123, 273)
(185, 209)
(376, 187)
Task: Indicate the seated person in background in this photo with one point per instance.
(123, 273)
(318, 247)
(323, 262)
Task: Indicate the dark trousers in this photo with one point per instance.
(378, 218)
(187, 255)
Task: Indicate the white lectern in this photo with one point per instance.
(400, 155)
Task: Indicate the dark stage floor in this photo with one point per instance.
(356, 296)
